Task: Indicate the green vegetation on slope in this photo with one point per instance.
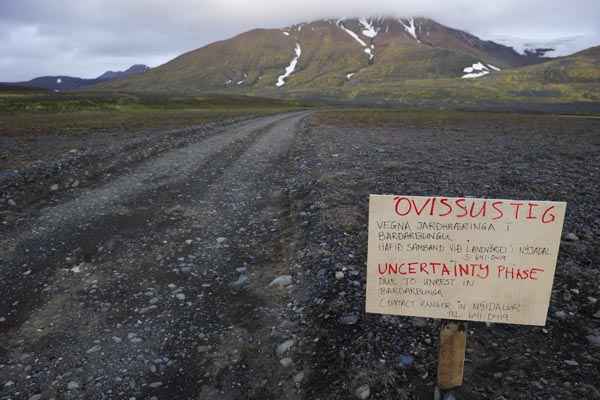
(566, 80)
(14, 90)
(583, 67)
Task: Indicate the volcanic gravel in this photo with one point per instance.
(231, 265)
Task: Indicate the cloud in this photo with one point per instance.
(83, 38)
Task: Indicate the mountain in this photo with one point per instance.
(65, 83)
(328, 54)
(133, 70)
(412, 61)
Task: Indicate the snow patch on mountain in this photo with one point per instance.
(289, 70)
(58, 80)
(243, 80)
(351, 33)
(368, 28)
(411, 28)
(478, 70)
(475, 75)
(286, 33)
(369, 49)
(476, 67)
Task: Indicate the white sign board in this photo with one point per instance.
(462, 258)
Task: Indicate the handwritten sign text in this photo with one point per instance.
(462, 258)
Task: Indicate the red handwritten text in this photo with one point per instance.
(473, 209)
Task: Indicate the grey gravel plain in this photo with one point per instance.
(228, 262)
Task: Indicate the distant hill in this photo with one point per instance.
(573, 79)
(65, 83)
(58, 83)
(579, 68)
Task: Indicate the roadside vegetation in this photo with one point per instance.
(34, 112)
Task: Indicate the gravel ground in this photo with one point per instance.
(230, 264)
(496, 156)
(33, 167)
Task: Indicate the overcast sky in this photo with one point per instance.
(87, 37)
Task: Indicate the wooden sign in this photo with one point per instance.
(462, 258)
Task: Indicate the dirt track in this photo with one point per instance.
(157, 280)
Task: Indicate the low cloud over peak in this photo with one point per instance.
(85, 38)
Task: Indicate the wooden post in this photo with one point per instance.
(451, 363)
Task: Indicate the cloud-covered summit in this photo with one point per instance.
(85, 38)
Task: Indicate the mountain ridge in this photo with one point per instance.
(133, 70)
(64, 82)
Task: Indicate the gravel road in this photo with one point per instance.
(227, 262)
(147, 284)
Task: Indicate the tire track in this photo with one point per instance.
(242, 240)
(83, 220)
